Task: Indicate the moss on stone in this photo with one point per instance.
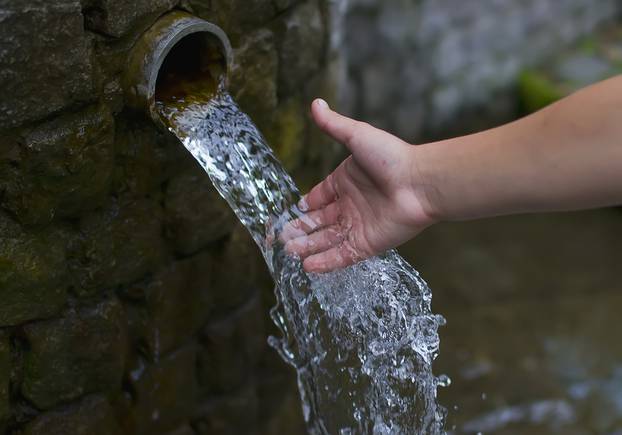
(63, 167)
(288, 135)
(32, 273)
(537, 91)
(119, 244)
(253, 77)
(82, 353)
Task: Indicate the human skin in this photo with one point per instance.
(567, 156)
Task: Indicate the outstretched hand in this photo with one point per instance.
(375, 200)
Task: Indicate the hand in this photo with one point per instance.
(375, 200)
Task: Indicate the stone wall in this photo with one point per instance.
(131, 302)
(417, 66)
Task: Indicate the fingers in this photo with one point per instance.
(311, 222)
(320, 196)
(319, 241)
(335, 258)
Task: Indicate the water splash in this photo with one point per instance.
(363, 339)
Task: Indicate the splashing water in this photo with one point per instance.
(363, 339)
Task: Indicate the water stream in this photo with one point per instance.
(363, 339)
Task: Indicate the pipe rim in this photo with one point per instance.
(150, 51)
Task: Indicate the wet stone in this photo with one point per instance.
(84, 352)
(234, 282)
(222, 415)
(165, 392)
(236, 17)
(195, 214)
(232, 348)
(146, 158)
(253, 77)
(172, 306)
(62, 168)
(93, 415)
(5, 377)
(300, 35)
(278, 398)
(43, 74)
(32, 273)
(288, 132)
(281, 5)
(183, 430)
(118, 17)
(119, 244)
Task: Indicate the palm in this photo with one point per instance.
(367, 210)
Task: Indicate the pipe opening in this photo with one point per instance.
(178, 56)
(196, 65)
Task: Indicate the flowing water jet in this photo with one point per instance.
(362, 340)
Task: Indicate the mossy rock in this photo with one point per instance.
(60, 168)
(288, 135)
(93, 415)
(32, 273)
(81, 353)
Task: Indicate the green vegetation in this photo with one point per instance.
(537, 91)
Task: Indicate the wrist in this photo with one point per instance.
(425, 182)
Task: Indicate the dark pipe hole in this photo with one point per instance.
(194, 66)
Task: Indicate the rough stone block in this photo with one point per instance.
(118, 17)
(236, 17)
(280, 400)
(173, 305)
(45, 61)
(195, 214)
(91, 416)
(282, 5)
(234, 281)
(82, 353)
(231, 349)
(146, 157)
(254, 76)
(287, 137)
(183, 430)
(5, 378)
(222, 417)
(32, 273)
(63, 167)
(165, 393)
(119, 244)
(301, 37)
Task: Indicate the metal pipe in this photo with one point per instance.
(181, 42)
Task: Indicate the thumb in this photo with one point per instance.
(366, 143)
(341, 128)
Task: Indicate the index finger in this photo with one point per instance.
(320, 196)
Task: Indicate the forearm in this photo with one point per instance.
(565, 157)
